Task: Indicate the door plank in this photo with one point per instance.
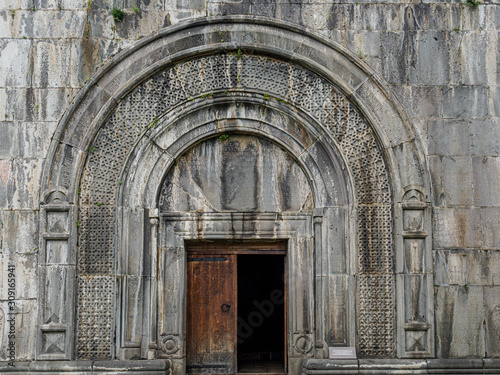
(211, 317)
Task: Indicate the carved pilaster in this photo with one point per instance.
(414, 277)
(57, 270)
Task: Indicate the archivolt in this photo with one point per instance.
(300, 73)
(288, 85)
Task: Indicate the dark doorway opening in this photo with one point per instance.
(261, 314)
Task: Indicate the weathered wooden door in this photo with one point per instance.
(211, 313)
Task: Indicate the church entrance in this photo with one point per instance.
(236, 308)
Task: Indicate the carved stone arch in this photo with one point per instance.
(301, 73)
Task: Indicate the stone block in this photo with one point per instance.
(6, 18)
(4, 111)
(91, 53)
(12, 4)
(18, 232)
(145, 4)
(445, 16)
(53, 66)
(466, 267)
(136, 367)
(60, 4)
(25, 318)
(25, 139)
(14, 62)
(490, 217)
(235, 8)
(486, 172)
(17, 104)
(470, 19)
(133, 296)
(495, 107)
(315, 15)
(264, 9)
(50, 24)
(51, 103)
(492, 306)
(20, 367)
(465, 102)
(457, 228)
(452, 180)
(420, 101)
(8, 139)
(431, 59)
(19, 183)
(49, 367)
(135, 25)
(471, 58)
(373, 17)
(388, 366)
(448, 137)
(491, 365)
(25, 273)
(485, 137)
(394, 47)
(468, 366)
(459, 322)
(101, 23)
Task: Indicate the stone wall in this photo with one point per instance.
(440, 58)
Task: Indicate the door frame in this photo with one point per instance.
(178, 229)
(262, 248)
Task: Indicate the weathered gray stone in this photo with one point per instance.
(25, 329)
(452, 180)
(220, 185)
(471, 66)
(50, 24)
(5, 23)
(25, 265)
(75, 367)
(52, 102)
(14, 62)
(431, 59)
(448, 137)
(421, 101)
(490, 217)
(19, 185)
(17, 104)
(485, 137)
(492, 320)
(465, 102)
(397, 47)
(466, 267)
(18, 232)
(25, 139)
(53, 65)
(495, 95)
(455, 366)
(486, 172)
(459, 321)
(457, 228)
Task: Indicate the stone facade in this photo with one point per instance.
(386, 115)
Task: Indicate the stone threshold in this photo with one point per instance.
(401, 366)
(115, 367)
(310, 367)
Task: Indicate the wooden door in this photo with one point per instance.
(211, 313)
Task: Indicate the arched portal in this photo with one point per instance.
(217, 77)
